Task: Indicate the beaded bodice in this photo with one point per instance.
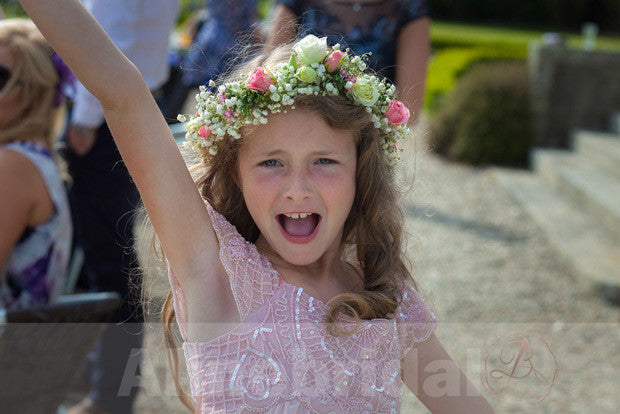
(280, 357)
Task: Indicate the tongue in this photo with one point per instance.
(299, 227)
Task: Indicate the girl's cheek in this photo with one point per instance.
(267, 177)
(333, 177)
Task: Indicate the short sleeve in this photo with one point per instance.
(415, 320)
(253, 279)
(414, 9)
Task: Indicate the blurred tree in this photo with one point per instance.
(544, 14)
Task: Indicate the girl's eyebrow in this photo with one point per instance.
(270, 153)
(280, 152)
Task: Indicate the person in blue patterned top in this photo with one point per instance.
(35, 222)
(217, 43)
(396, 32)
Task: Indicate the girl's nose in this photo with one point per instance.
(298, 186)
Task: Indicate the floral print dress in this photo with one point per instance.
(228, 25)
(34, 273)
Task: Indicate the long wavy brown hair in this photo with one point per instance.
(373, 231)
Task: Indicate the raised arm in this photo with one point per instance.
(141, 134)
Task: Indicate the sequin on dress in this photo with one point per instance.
(280, 359)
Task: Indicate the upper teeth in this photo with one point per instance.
(297, 215)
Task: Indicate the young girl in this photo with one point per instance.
(288, 280)
(35, 222)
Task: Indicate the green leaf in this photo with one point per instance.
(293, 61)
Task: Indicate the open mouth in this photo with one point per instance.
(299, 227)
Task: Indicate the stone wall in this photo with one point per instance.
(570, 89)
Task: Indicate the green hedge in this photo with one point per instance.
(444, 34)
(449, 64)
(487, 117)
(12, 8)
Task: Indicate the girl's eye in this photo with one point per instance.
(269, 163)
(325, 161)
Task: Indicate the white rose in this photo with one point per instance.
(364, 92)
(311, 49)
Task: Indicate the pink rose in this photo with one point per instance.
(333, 61)
(204, 132)
(259, 80)
(397, 113)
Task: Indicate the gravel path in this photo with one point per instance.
(487, 272)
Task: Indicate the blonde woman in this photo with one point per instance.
(35, 223)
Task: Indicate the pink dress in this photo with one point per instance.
(280, 359)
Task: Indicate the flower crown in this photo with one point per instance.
(313, 68)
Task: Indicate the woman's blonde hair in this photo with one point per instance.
(372, 233)
(34, 72)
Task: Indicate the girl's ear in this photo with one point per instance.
(234, 172)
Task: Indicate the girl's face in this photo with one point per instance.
(9, 98)
(297, 175)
